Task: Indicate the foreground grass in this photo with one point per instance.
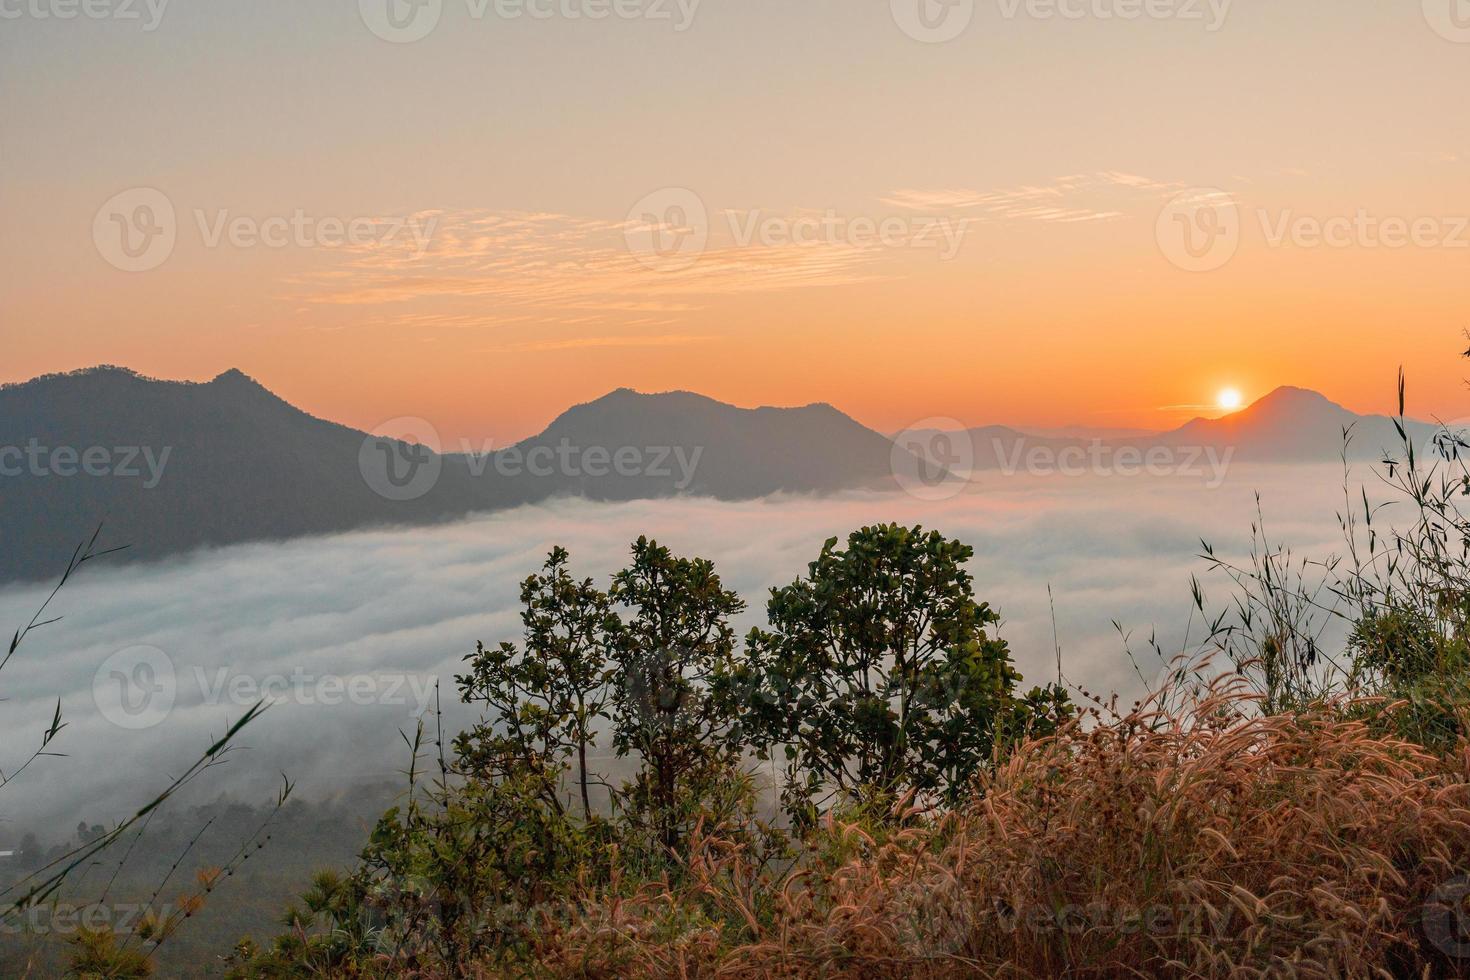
(1207, 840)
(1210, 841)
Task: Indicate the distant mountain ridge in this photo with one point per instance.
(170, 466)
(234, 463)
(1288, 425)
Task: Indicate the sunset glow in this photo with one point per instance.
(758, 242)
(712, 433)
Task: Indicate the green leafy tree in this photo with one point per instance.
(880, 673)
(542, 702)
(671, 653)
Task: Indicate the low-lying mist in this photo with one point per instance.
(346, 635)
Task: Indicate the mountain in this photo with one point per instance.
(1294, 424)
(741, 453)
(170, 466)
(1290, 425)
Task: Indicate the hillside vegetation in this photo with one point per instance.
(864, 787)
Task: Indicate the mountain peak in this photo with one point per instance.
(1288, 405)
(234, 376)
(1292, 395)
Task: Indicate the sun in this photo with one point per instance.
(1229, 399)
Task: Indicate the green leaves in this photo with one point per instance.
(878, 672)
(675, 656)
(542, 702)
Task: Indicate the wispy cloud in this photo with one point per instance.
(1064, 200)
(559, 269)
(578, 343)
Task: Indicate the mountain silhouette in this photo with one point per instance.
(182, 465)
(168, 466)
(1290, 425)
(1298, 424)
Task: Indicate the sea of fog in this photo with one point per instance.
(346, 634)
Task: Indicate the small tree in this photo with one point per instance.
(678, 644)
(544, 700)
(879, 673)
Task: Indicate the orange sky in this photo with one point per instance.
(534, 149)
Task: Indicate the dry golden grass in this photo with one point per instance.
(1208, 841)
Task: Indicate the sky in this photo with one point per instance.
(480, 212)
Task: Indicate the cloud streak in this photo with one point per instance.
(1064, 200)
